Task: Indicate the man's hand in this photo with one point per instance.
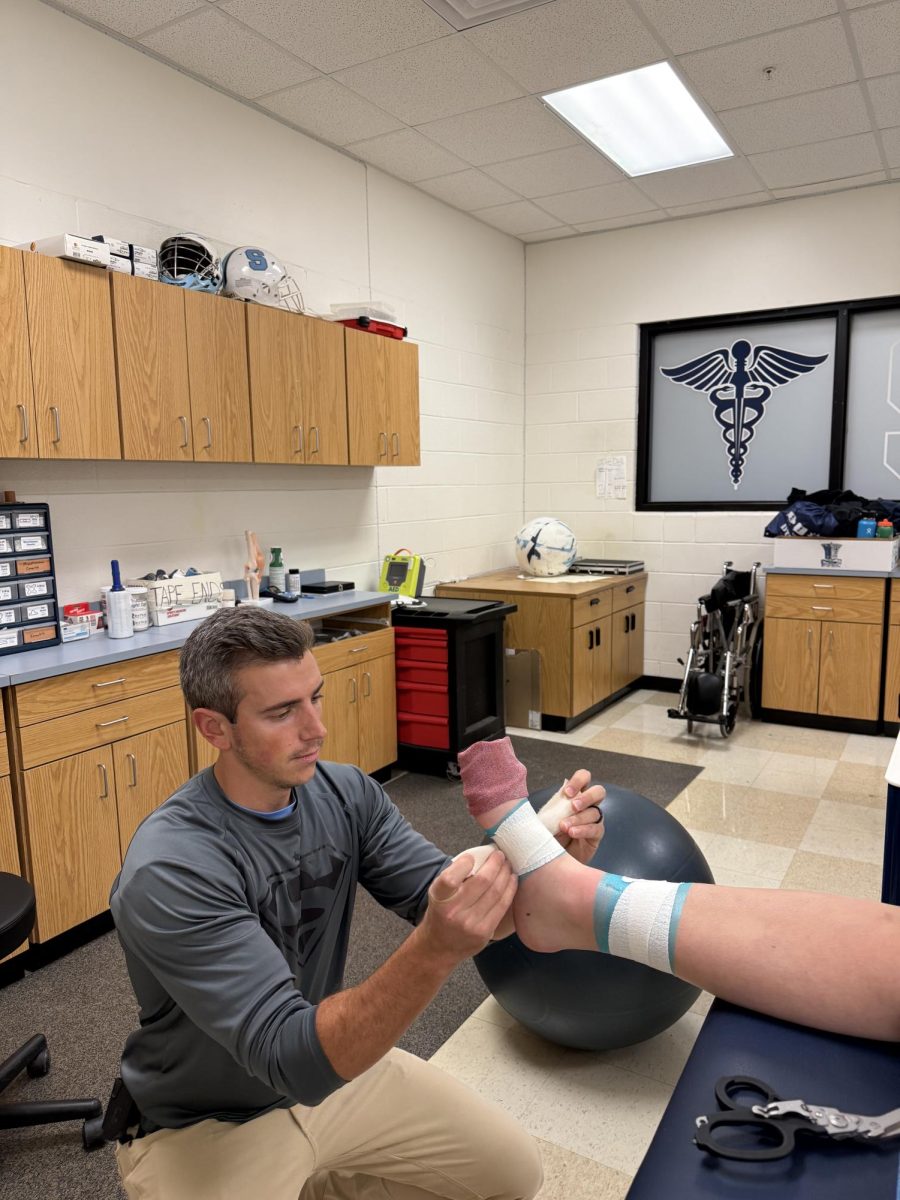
(464, 910)
(581, 834)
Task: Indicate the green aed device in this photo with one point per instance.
(402, 573)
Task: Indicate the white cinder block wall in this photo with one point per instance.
(98, 138)
(586, 298)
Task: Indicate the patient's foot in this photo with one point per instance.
(554, 904)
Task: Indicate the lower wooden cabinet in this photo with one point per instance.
(591, 663)
(148, 769)
(627, 647)
(9, 848)
(359, 710)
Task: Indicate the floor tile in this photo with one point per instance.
(796, 775)
(764, 863)
(571, 1176)
(489, 1010)
(874, 751)
(824, 873)
(661, 1057)
(791, 739)
(732, 763)
(742, 812)
(646, 745)
(702, 1004)
(648, 718)
(857, 783)
(846, 831)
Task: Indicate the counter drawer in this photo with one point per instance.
(838, 587)
(624, 595)
(866, 612)
(95, 727)
(63, 694)
(591, 608)
(332, 656)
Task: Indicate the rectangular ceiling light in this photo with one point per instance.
(644, 120)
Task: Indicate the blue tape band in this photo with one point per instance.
(674, 920)
(606, 897)
(493, 829)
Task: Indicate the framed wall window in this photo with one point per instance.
(735, 411)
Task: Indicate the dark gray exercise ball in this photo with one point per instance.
(594, 1001)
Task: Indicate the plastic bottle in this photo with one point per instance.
(276, 569)
(885, 529)
(118, 606)
(293, 579)
(865, 527)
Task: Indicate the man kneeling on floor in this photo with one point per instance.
(254, 1073)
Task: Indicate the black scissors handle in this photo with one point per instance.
(767, 1138)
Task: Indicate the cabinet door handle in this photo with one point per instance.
(357, 649)
(208, 423)
(104, 724)
(595, 600)
(590, 639)
(626, 622)
(809, 639)
(315, 430)
(367, 684)
(597, 635)
(822, 608)
(395, 442)
(383, 445)
(109, 682)
(353, 691)
(104, 777)
(185, 440)
(23, 414)
(831, 639)
(630, 588)
(132, 762)
(830, 586)
(633, 622)
(56, 425)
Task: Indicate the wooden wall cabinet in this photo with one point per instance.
(72, 358)
(96, 752)
(18, 435)
(382, 400)
(219, 381)
(822, 647)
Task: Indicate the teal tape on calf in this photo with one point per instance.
(674, 920)
(493, 829)
(606, 897)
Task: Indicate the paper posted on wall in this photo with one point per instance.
(610, 477)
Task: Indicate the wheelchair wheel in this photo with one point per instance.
(727, 723)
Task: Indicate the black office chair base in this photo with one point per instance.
(34, 1057)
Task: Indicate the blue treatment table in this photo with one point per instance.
(799, 1063)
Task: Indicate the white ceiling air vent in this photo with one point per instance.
(464, 14)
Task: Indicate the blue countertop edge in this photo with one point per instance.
(99, 649)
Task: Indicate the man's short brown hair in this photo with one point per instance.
(233, 638)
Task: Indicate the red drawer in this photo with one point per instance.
(423, 673)
(423, 731)
(422, 700)
(419, 652)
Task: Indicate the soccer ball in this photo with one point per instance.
(545, 546)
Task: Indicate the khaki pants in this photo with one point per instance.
(402, 1131)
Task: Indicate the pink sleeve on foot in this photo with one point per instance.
(491, 775)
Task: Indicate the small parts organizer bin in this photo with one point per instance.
(28, 607)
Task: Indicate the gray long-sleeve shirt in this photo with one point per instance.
(235, 927)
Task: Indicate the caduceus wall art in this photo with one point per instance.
(739, 381)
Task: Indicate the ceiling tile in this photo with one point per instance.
(556, 171)
(127, 17)
(548, 235)
(876, 32)
(706, 181)
(620, 222)
(795, 120)
(818, 163)
(890, 139)
(705, 206)
(598, 203)
(518, 218)
(210, 44)
(341, 33)
(831, 185)
(703, 23)
(331, 112)
(567, 42)
(814, 56)
(885, 96)
(408, 155)
(428, 82)
(509, 130)
(468, 190)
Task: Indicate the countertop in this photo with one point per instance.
(895, 574)
(511, 581)
(100, 649)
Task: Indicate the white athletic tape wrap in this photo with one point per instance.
(526, 843)
(480, 855)
(557, 809)
(640, 923)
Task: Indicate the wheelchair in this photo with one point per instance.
(721, 672)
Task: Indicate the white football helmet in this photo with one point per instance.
(253, 274)
(188, 261)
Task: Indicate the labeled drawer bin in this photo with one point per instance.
(423, 731)
(29, 618)
(422, 700)
(414, 672)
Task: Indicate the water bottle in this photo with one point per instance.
(885, 529)
(276, 569)
(866, 527)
